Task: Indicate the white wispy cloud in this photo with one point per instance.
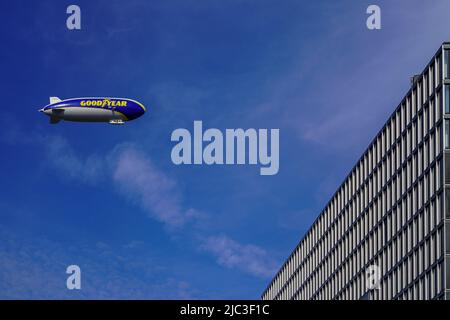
(136, 177)
(135, 174)
(63, 157)
(246, 257)
(132, 172)
(157, 194)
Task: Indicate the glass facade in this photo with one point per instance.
(446, 62)
(389, 211)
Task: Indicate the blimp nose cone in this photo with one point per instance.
(45, 111)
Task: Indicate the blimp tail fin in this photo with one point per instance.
(54, 100)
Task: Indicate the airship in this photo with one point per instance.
(111, 110)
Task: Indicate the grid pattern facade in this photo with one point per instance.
(389, 211)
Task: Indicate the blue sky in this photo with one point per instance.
(109, 198)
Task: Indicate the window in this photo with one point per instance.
(447, 266)
(447, 203)
(438, 69)
(447, 237)
(447, 134)
(447, 64)
(447, 99)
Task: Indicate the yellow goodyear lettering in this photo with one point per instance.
(106, 102)
(103, 103)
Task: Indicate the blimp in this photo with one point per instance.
(110, 110)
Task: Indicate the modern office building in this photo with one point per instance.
(391, 215)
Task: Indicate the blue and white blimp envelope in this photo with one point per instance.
(111, 110)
